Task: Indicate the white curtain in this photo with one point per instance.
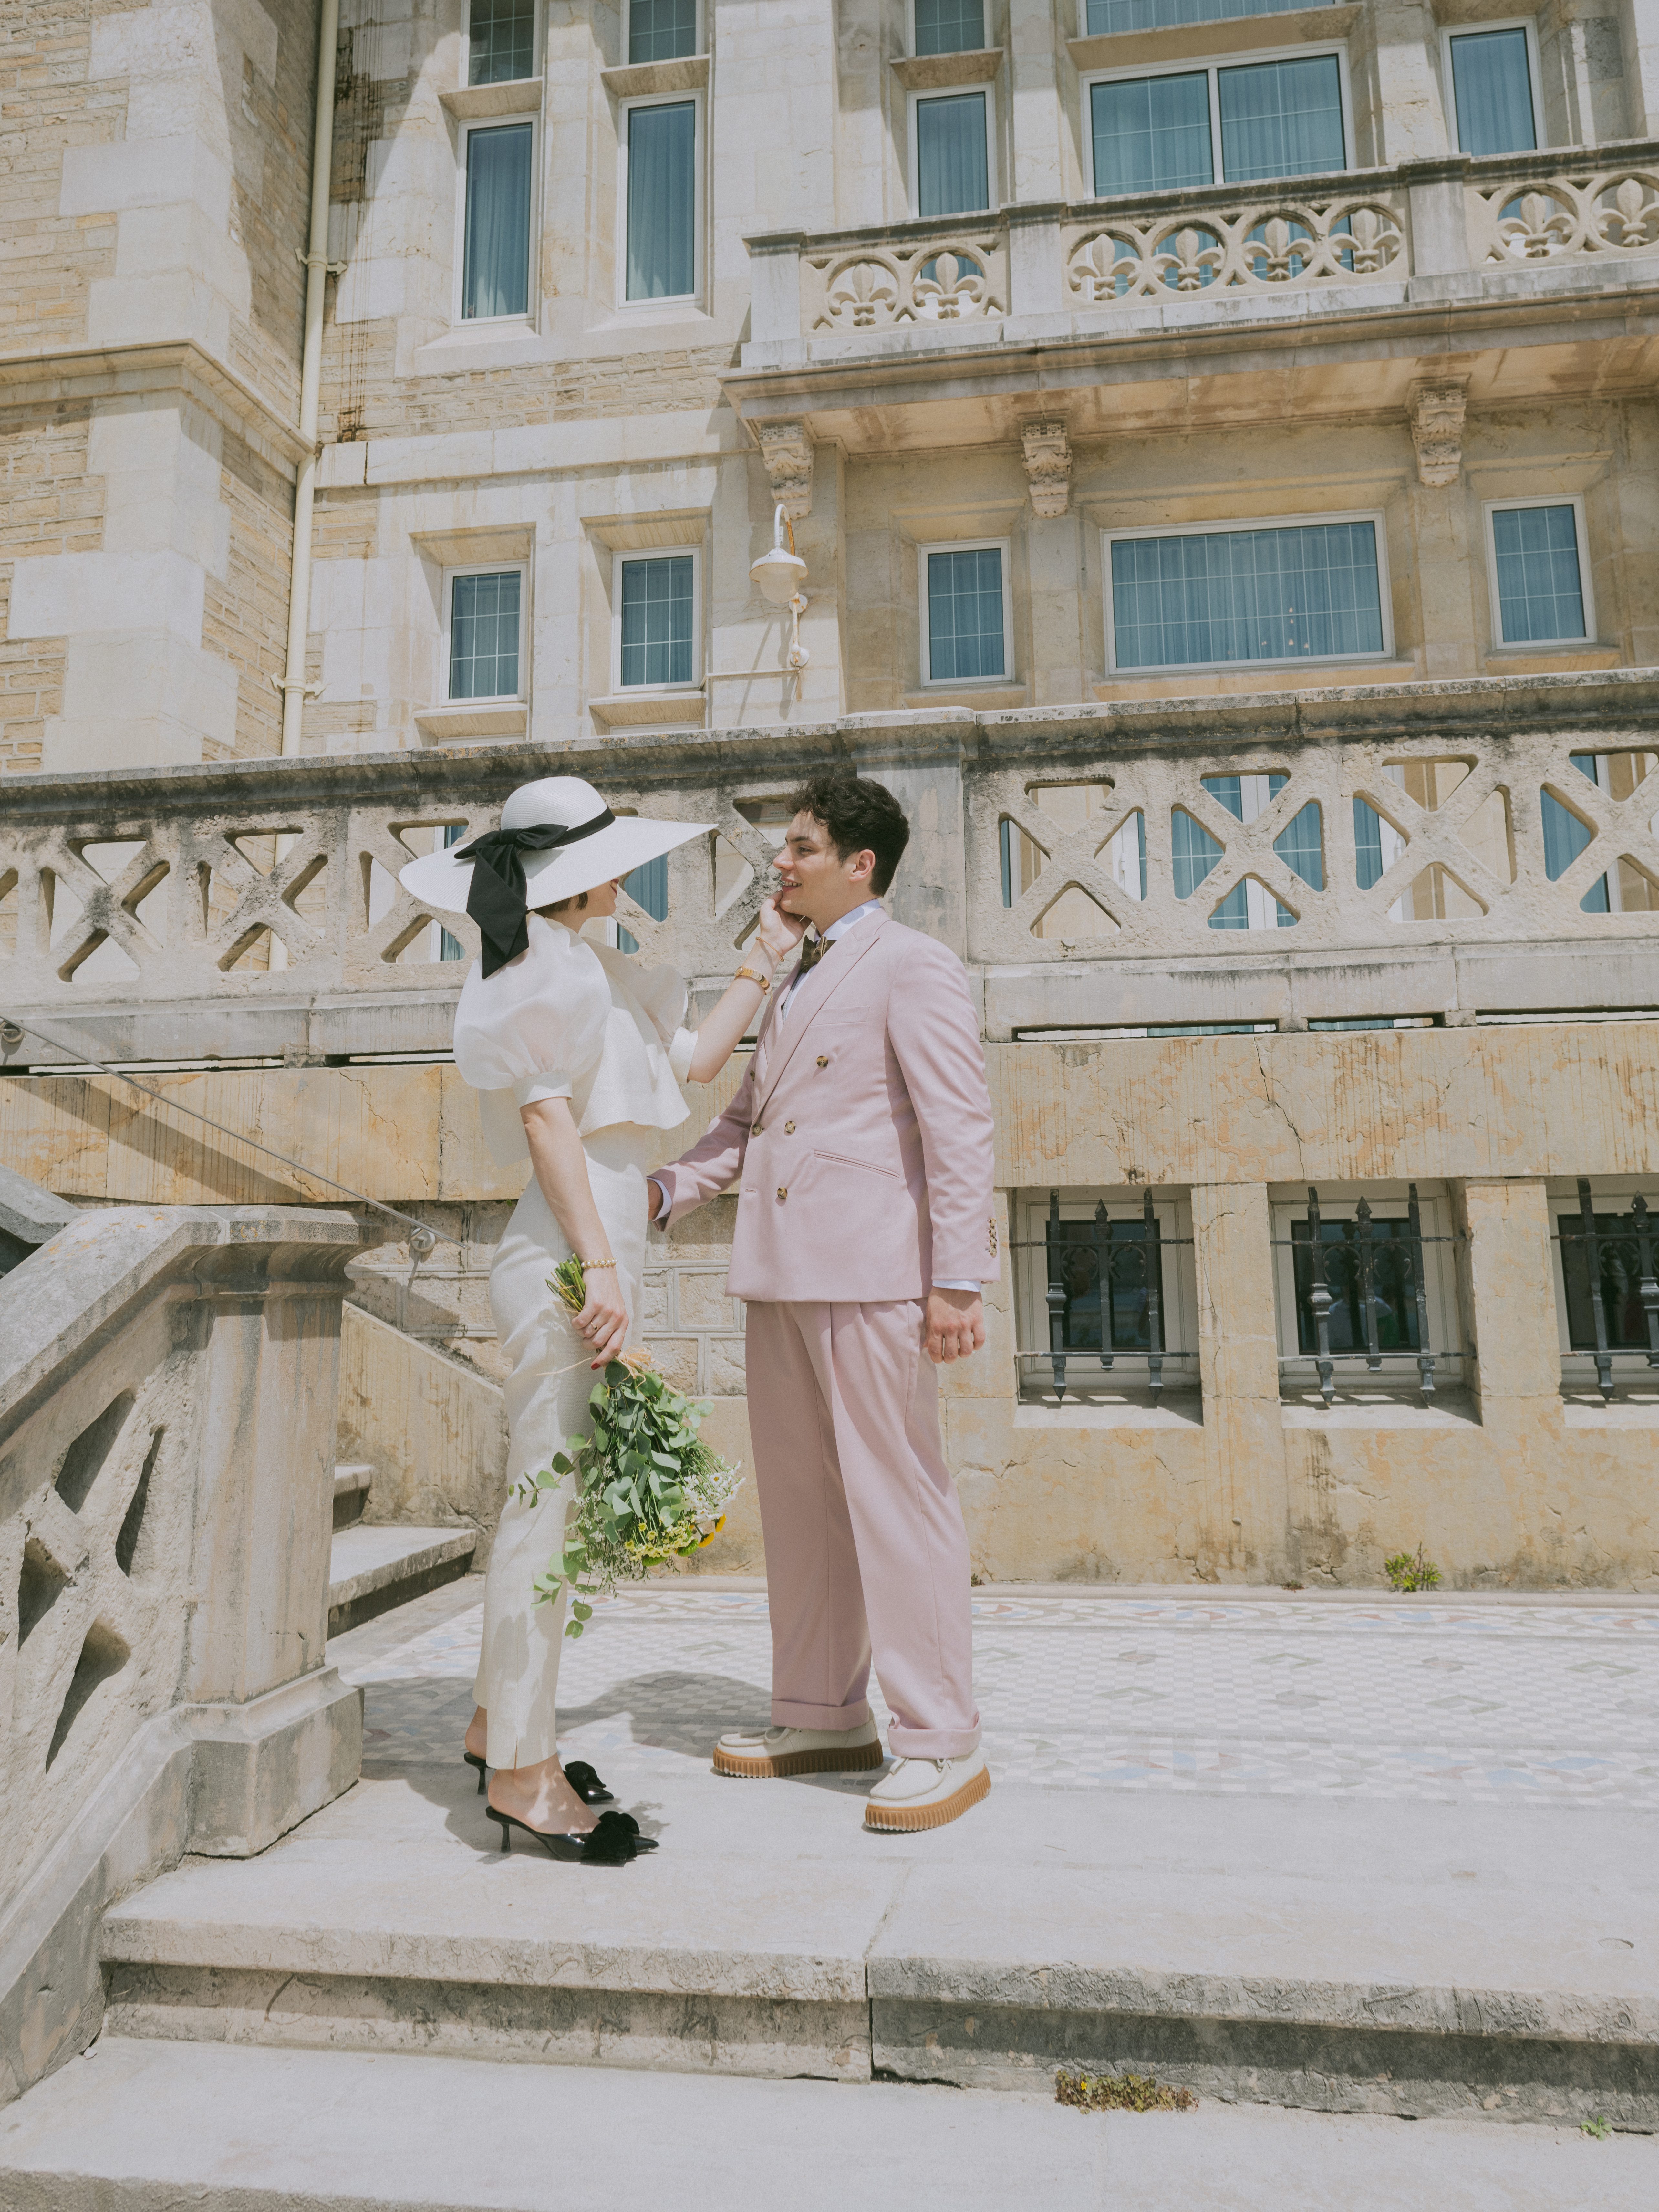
(965, 615)
(1152, 133)
(662, 212)
(949, 27)
(1282, 119)
(1491, 83)
(1162, 15)
(1246, 595)
(495, 273)
(1540, 595)
(951, 165)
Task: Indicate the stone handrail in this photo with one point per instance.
(1327, 230)
(359, 980)
(1562, 205)
(168, 1408)
(955, 271)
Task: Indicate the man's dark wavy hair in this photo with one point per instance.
(860, 816)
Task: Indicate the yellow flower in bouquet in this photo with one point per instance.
(648, 1487)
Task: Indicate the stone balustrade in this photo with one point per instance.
(1012, 270)
(1383, 852)
(167, 1406)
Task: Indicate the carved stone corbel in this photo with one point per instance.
(1047, 456)
(1436, 413)
(788, 452)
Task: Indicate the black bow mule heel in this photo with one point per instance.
(615, 1841)
(473, 1759)
(586, 1784)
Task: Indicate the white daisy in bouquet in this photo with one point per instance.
(648, 1487)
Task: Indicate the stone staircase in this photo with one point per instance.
(375, 1566)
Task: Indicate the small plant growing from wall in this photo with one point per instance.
(1410, 1570)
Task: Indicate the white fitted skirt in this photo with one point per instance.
(547, 1393)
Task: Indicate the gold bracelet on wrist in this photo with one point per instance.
(588, 1266)
(755, 976)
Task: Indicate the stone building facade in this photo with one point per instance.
(1224, 452)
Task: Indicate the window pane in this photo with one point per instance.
(495, 272)
(662, 149)
(1538, 591)
(953, 174)
(662, 30)
(1082, 1254)
(1152, 134)
(1247, 595)
(648, 886)
(1390, 1293)
(1618, 1264)
(1302, 848)
(656, 621)
(1491, 85)
(1282, 119)
(484, 637)
(949, 27)
(1192, 850)
(1159, 15)
(500, 40)
(965, 615)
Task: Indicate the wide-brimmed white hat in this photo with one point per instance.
(529, 864)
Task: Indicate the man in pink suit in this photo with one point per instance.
(861, 1142)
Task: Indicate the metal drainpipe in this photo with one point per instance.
(311, 369)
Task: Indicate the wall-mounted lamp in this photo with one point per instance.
(779, 575)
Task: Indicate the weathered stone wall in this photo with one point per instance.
(48, 505)
(54, 103)
(1509, 1478)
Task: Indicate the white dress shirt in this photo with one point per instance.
(837, 929)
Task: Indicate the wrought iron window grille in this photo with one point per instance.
(1611, 1290)
(1100, 1284)
(1362, 1292)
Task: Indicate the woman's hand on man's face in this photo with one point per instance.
(777, 934)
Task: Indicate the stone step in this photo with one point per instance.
(151, 2126)
(1355, 1969)
(351, 1487)
(371, 1569)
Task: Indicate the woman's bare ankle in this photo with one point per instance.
(541, 1796)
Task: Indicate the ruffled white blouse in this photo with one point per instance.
(567, 1019)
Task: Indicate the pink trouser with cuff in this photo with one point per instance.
(865, 1549)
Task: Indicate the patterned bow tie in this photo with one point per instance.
(812, 950)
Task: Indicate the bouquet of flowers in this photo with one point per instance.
(648, 1487)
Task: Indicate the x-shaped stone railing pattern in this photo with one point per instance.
(1342, 912)
(204, 899)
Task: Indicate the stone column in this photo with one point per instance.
(1035, 122)
(1248, 1492)
(1508, 1302)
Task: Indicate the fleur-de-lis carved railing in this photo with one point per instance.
(923, 275)
(1206, 243)
(1571, 215)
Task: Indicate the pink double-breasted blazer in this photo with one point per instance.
(861, 1139)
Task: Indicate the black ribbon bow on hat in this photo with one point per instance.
(496, 898)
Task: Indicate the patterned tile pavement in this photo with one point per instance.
(1480, 1702)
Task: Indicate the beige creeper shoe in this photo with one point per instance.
(754, 1752)
(926, 1793)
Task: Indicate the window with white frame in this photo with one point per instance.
(1373, 1269)
(951, 151)
(656, 620)
(500, 40)
(483, 641)
(498, 169)
(1104, 1299)
(1540, 579)
(1109, 16)
(1601, 1240)
(965, 613)
(1494, 85)
(1275, 115)
(1256, 592)
(661, 198)
(662, 30)
(948, 26)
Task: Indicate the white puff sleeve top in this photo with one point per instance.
(567, 1019)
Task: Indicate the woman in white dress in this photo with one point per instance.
(577, 1052)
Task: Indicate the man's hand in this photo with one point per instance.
(956, 1325)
